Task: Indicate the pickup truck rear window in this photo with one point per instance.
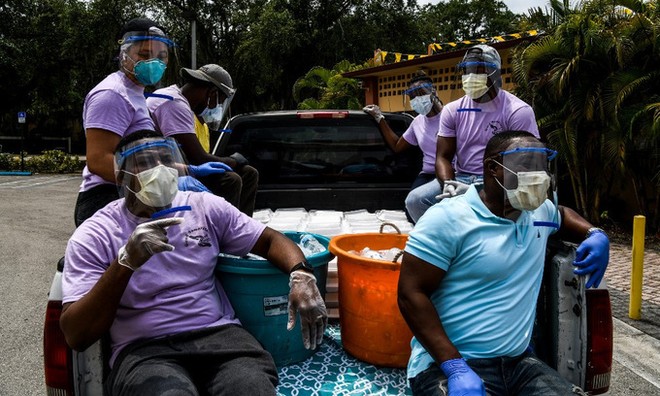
(290, 150)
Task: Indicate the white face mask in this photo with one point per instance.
(475, 85)
(212, 115)
(158, 186)
(422, 104)
(531, 192)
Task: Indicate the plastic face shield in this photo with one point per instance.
(147, 45)
(218, 99)
(228, 94)
(145, 154)
(529, 179)
(474, 63)
(417, 89)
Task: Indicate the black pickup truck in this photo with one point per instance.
(323, 159)
(336, 159)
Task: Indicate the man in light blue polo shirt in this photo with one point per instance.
(472, 271)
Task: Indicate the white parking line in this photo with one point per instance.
(29, 183)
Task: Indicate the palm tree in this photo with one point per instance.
(593, 85)
(321, 88)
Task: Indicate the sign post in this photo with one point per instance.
(21, 120)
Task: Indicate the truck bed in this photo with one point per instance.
(331, 371)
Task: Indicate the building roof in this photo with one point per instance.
(438, 52)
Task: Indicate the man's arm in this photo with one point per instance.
(100, 150)
(593, 254)
(85, 321)
(278, 249)
(304, 296)
(417, 282)
(394, 142)
(444, 155)
(573, 226)
(195, 153)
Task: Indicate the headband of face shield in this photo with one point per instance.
(150, 53)
(419, 98)
(150, 169)
(529, 177)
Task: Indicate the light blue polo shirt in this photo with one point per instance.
(487, 299)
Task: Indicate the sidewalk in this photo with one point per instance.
(618, 277)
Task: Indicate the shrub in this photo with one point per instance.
(54, 161)
(51, 161)
(9, 162)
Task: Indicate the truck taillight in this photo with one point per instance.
(600, 339)
(57, 355)
(322, 114)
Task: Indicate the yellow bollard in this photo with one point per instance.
(636, 277)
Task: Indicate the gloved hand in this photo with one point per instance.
(189, 183)
(239, 158)
(374, 111)
(461, 380)
(146, 240)
(452, 188)
(305, 298)
(209, 168)
(592, 257)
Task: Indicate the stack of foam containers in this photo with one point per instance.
(325, 222)
(330, 223)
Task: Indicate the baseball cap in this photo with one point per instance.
(142, 25)
(484, 53)
(213, 74)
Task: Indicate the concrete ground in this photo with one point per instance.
(618, 276)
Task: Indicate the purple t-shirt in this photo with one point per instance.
(473, 124)
(171, 116)
(172, 292)
(117, 105)
(423, 132)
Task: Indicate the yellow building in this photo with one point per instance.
(384, 84)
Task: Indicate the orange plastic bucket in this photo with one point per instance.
(372, 328)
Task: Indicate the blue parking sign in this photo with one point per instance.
(21, 117)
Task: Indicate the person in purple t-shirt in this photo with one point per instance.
(116, 107)
(174, 109)
(466, 125)
(422, 132)
(141, 269)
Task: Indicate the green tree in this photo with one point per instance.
(321, 88)
(290, 37)
(593, 86)
(457, 20)
(52, 53)
(548, 18)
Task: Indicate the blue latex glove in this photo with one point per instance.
(189, 183)
(592, 256)
(209, 168)
(461, 380)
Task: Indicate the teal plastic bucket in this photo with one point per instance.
(259, 293)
